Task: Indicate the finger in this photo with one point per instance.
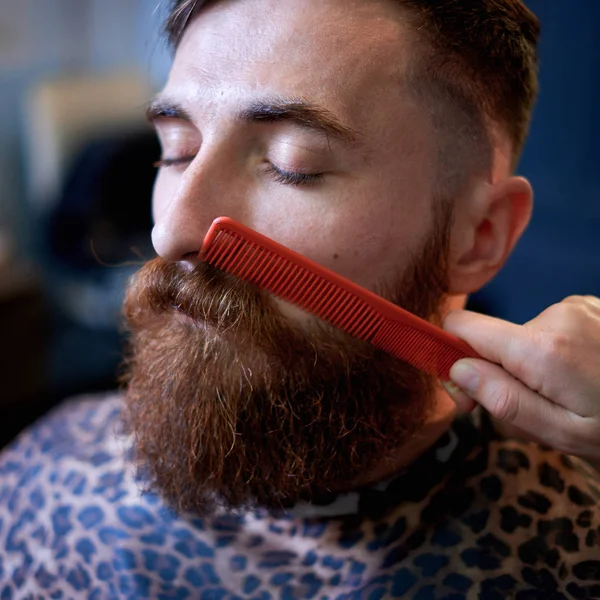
(589, 304)
(558, 365)
(494, 339)
(523, 352)
(591, 301)
(464, 403)
(509, 400)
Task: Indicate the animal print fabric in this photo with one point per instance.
(476, 517)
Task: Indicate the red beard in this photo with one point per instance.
(232, 404)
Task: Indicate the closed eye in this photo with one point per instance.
(296, 178)
(173, 162)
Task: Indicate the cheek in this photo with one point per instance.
(366, 250)
(361, 239)
(381, 239)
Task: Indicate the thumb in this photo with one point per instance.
(510, 401)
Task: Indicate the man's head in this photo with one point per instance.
(375, 137)
(474, 64)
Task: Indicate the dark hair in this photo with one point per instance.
(476, 70)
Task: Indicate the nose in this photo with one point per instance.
(184, 207)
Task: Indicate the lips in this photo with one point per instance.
(200, 318)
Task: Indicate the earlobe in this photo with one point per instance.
(487, 231)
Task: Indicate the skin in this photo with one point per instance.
(373, 204)
(541, 381)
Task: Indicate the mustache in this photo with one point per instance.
(204, 294)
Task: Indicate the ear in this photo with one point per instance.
(485, 231)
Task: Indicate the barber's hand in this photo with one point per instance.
(542, 378)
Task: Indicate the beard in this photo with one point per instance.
(231, 404)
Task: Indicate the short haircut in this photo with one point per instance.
(476, 72)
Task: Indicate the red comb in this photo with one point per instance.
(243, 252)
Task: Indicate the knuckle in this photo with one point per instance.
(504, 405)
(593, 302)
(574, 314)
(583, 303)
(556, 350)
(564, 313)
(558, 344)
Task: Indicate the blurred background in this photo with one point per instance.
(76, 177)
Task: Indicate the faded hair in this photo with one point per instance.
(476, 73)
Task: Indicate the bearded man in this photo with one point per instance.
(256, 451)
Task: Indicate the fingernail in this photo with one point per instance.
(464, 403)
(465, 376)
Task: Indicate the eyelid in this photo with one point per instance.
(177, 137)
(179, 142)
(174, 162)
(294, 178)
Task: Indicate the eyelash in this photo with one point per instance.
(294, 178)
(172, 162)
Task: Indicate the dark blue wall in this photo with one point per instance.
(559, 255)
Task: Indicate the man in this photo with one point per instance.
(280, 457)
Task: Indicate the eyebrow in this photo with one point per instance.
(299, 112)
(163, 108)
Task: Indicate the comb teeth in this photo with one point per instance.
(289, 281)
(240, 251)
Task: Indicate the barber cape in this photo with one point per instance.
(477, 516)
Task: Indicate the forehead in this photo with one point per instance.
(348, 55)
